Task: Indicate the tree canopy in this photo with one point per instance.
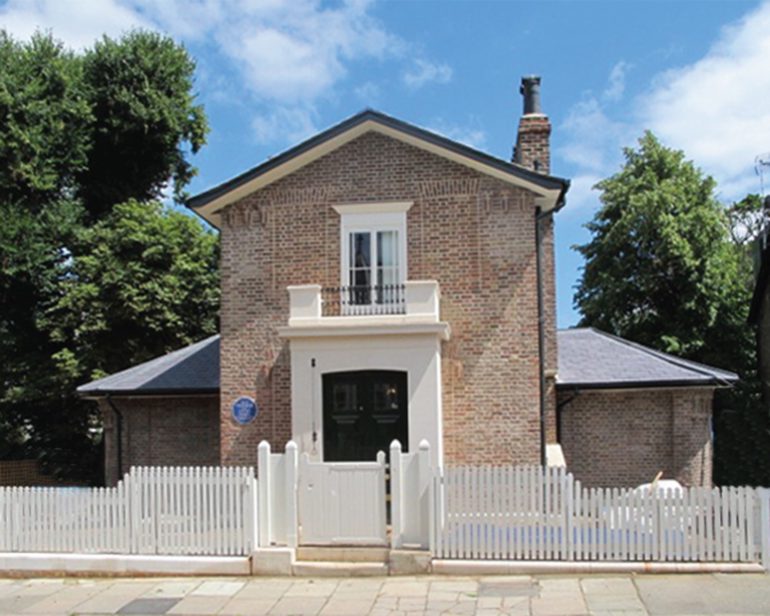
(669, 266)
(660, 267)
(96, 274)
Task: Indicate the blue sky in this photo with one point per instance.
(272, 72)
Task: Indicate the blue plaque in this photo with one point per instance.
(245, 410)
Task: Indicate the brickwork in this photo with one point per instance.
(617, 439)
(165, 431)
(473, 234)
(691, 436)
(533, 149)
(26, 473)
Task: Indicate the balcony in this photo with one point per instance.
(363, 301)
(412, 307)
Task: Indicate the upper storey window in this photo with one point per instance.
(373, 245)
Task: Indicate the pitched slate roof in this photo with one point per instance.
(193, 369)
(588, 359)
(592, 359)
(208, 202)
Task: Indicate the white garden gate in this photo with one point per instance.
(342, 503)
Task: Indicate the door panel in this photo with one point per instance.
(363, 412)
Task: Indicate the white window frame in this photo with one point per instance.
(371, 218)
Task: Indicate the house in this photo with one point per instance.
(383, 282)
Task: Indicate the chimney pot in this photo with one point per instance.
(532, 148)
(530, 90)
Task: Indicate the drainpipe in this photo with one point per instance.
(119, 431)
(539, 216)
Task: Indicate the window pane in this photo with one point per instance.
(387, 276)
(360, 250)
(386, 248)
(361, 278)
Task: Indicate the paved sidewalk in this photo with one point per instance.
(515, 595)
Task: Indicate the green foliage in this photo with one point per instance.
(144, 277)
(140, 89)
(660, 268)
(668, 266)
(90, 284)
(45, 119)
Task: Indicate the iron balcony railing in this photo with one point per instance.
(363, 300)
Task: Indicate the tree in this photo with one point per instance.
(45, 121)
(668, 266)
(144, 275)
(79, 135)
(140, 90)
(660, 268)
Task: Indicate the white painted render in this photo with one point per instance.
(417, 354)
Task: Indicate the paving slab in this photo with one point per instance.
(611, 595)
(262, 588)
(248, 607)
(216, 588)
(199, 605)
(172, 588)
(290, 606)
(63, 601)
(346, 607)
(112, 598)
(311, 588)
(148, 605)
(705, 594)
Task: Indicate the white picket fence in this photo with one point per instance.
(531, 513)
(153, 510)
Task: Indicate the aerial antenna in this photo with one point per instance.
(762, 166)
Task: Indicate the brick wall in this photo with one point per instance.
(473, 234)
(166, 431)
(623, 438)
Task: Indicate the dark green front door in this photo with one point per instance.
(363, 412)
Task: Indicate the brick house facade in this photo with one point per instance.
(449, 343)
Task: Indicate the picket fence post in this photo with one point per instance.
(423, 486)
(290, 493)
(396, 496)
(265, 491)
(764, 525)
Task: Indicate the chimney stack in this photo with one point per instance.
(533, 139)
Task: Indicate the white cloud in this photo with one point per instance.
(616, 84)
(593, 140)
(290, 124)
(288, 54)
(77, 23)
(716, 110)
(471, 136)
(368, 92)
(423, 72)
(582, 196)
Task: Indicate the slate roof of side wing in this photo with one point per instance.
(192, 369)
(592, 359)
(588, 359)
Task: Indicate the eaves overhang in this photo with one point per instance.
(96, 394)
(609, 385)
